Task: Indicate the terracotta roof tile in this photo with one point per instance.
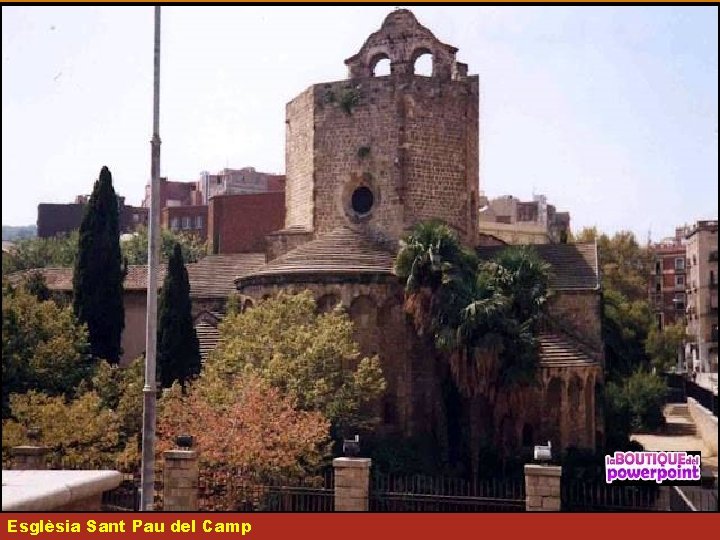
(211, 277)
(572, 266)
(342, 251)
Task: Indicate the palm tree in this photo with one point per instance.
(479, 318)
(483, 317)
(438, 273)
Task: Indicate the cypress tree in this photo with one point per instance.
(178, 350)
(98, 276)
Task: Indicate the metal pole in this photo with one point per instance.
(150, 389)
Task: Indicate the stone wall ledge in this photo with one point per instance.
(543, 470)
(349, 462)
(51, 490)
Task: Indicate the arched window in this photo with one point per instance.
(423, 63)
(379, 65)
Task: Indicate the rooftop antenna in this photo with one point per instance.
(149, 390)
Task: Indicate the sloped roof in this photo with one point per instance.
(572, 266)
(214, 276)
(558, 351)
(341, 252)
(207, 332)
(211, 277)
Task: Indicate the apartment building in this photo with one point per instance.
(702, 296)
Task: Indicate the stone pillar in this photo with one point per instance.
(542, 488)
(28, 458)
(352, 484)
(180, 481)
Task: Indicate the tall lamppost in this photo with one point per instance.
(150, 388)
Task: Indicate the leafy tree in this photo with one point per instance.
(307, 355)
(635, 403)
(80, 433)
(61, 251)
(663, 345)
(32, 253)
(43, 346)
(244, 429)
(627, 318)
(178, 349)
(135, 248)
(98, 276)
(36, 285)
(120, 390)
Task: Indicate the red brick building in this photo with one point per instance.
(239, 223)
(173, 193)
(62, 218)
(667, 281)
(186, 219)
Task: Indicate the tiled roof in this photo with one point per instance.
(572, 266)
(557, 351)
(211, 277)
(214, 276)
(207, 334)
(342, 251)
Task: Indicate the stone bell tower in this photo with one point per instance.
(380, 154)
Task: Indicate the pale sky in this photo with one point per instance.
(611, 112)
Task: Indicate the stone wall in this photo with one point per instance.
(299, 137)
(542, 488)
(706, 424)
(279, 242)
(413, 142)
(580, 313)
(412, 396)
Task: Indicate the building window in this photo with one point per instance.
(362, 200)
(199, 222)
(186, 222)
(712, 277)
(658, 268)
(174, 224)
(658, 287)
(680, 280)
(659, 320)
(680, 263)
(679, 301)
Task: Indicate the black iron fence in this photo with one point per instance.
(597, 496)
(396, 493)
(244, 492)
(693, 499)
(126, 497)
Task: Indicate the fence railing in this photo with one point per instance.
(693, 499)
(396, 493)
(126, 497)
(597, 496)
(243, 492)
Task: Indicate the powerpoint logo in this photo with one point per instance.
(652, 466)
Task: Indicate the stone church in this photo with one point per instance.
(367, 158)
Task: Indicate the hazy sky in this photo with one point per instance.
(609, 111)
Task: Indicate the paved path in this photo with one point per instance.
(679, 434)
